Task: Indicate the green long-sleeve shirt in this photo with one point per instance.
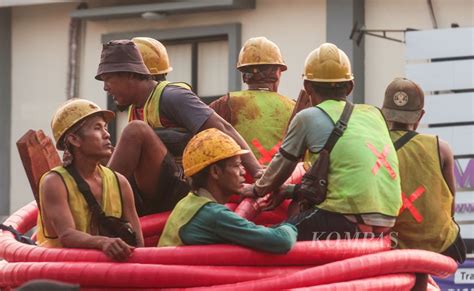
(214, 224)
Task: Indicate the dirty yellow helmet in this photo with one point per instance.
(154, 55)
(70, 113)
(260, 51)
(207, 147)
(328, 64)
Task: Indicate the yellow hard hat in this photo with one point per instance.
(154, 55)
(327, 63)
(260, 51)
(70, 113)
(207, 147)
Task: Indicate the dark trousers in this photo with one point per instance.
(172, 188)
(318, 224)
(457, 250)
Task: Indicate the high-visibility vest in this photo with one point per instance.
(363, 173)
(425, 220)
(183, 212)
(151, 109)
(261, 118)
(111, 204)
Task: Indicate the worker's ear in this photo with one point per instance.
(308, 88)
(215, 171)
(418, 122)
(73, 139)
(350, 87)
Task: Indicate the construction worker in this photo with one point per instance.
(426, 219)
(212, 161)
(259, 114)
(163, 117)
(65, 218)
(363, 179)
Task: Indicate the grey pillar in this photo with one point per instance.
(341, 16)
(5, 109)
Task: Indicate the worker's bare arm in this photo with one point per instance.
(447, 167)
(57, 215)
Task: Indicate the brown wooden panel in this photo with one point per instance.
(38, 155)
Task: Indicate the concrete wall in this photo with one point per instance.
(39, 66)
(40, 40)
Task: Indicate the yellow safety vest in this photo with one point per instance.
(261, 118)
(151, 110)
(111, 204)
(363, 173)
(425, 220)
(183, 212)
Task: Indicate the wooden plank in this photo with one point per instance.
(430, 44)
(439, 108)
(38, 156)
(440, 76)
(460, 138)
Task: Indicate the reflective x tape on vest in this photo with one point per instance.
(408, 203)
(267, 155)
(382, 160)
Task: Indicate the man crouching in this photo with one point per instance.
(212, 161)
(82, 203)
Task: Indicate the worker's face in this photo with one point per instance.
(93, 138)
(231, 176)
(119, 86)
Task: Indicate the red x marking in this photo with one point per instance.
(382, 160)
(408, 203)
(266, 156)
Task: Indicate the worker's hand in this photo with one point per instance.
(275, 198)
(116, 249)
(248, 191)
(263, 202)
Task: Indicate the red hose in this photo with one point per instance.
(270, 217)
(223, 266)
(153, 224)
(248, 209)
(152, 241)
(393, 282)
(303, 254)
(134, 275)
(389, 262)
(23, 219)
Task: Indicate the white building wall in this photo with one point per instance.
(385, 60)
(39, 69)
